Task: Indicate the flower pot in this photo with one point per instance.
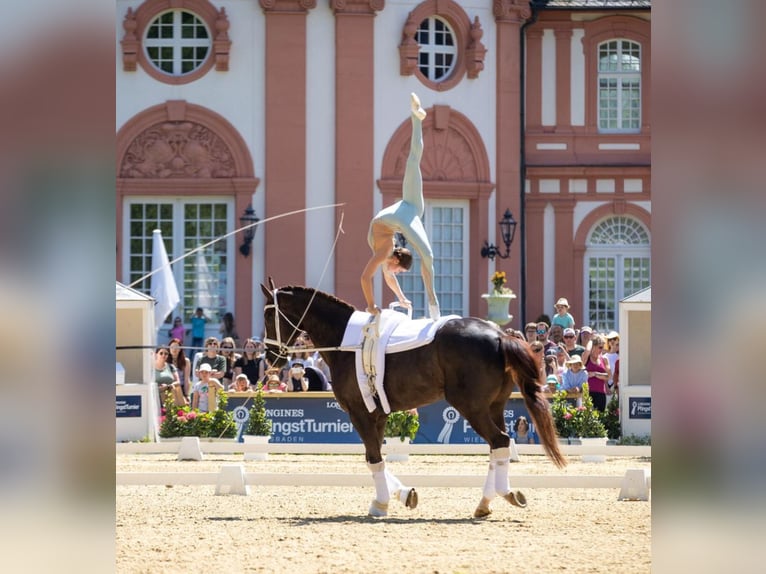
(397, 450)
(593, 441)
(256, 439)
(497, 307)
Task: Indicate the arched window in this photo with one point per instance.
(617, 265)
(619, 86)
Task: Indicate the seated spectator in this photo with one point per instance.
(570, 343)
(205, 391)
(297, 381)
(575, 375)
(551, 373)
(240, 384)
(274, 385)
(251, 363)
(302, 356)
(183, 364)
(212, 358)
(227, 351)
(166, 377)
(521, 431)
(317, 380)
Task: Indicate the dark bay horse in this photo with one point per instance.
(470, 363)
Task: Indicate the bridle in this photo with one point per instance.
(283, 349)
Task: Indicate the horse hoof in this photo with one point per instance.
(516, 498)
(409, 498)
(378, 509)
(481, 512)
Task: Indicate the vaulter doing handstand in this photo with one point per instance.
(404, 217)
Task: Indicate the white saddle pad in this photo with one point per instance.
(397, 333)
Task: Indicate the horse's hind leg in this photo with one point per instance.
(492, 429)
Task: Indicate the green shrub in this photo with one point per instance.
(402, 424)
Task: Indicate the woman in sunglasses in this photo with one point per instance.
(166, 377)
(227, 350)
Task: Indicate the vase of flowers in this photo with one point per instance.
(498, 299)
(258, 429)
(401, 428)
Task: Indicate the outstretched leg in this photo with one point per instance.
(412, 184)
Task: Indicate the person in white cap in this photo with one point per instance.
(205, 391)
(570, 343)
(562, 316)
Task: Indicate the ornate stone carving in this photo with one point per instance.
(178, 150)
(447, 156)
(129, 42)
(474, 54)
(222, 44)
(409, 48)
(357, 6)
(287, 5)
(511, 10)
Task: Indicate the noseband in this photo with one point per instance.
(283, 349)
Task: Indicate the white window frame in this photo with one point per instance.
(618, 252)
(177, 248)
(411, 281)
(620, 78)
(177, 43)
(432, 49)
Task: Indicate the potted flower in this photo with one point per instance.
(581, 422)
(498, 299)
(185, 421)
(401, 428)
(258, 428)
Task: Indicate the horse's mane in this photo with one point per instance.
(308, 290)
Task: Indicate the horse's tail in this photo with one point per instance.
(520, 362)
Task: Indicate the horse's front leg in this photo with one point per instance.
(386, 484)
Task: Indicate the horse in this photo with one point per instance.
(470, 363)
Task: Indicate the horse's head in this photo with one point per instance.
(281, 321)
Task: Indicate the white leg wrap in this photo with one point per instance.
(501, 458)
(489, 482)
(378, 470)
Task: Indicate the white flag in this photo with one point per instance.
(205, 292)
(163, 289)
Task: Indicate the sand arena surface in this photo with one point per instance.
(189, 529)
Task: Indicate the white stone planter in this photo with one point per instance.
(397, 450)
(593, 441)
(255, 439)
(497, 307)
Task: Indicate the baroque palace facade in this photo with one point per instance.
(541, 108)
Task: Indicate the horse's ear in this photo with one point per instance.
(271, 283)
(269, 294)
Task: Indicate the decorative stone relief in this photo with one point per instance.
(474, 54)
(177, 150)
(129, 42)
(409, 48)
(447, 156)
(222, 44)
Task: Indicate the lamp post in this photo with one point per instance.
(507, 231)
(248, 218)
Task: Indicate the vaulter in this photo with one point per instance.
(404, 217)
